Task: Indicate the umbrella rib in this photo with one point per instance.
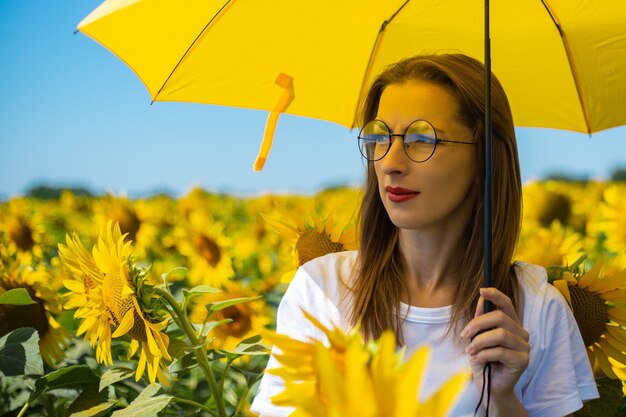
(195, 42)
(568, 53)
(368, 68)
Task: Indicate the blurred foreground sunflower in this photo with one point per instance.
(313, 237)
(41, 315)
(349, 378)
(598, 302)
(113, 300)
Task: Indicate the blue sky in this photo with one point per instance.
(72, 114)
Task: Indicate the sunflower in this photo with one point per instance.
(598, 302)
(41, 315)
(348, 378)
(24, 230)
(556, 245)
(612, 221)
(248, 318)
(203, 242)
(543, 204)
(313, 238)
(113, 300)
(136, 219)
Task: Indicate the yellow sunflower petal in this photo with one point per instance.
(134, 344)
(619, 334)
(590, 276)
(410, 383)
(141, 364)
(126, 324)
(162, 378)
(618, 314)
(126, 291)
(617, 296)
(153, 367)
(612, 351)
(281, 227)
(85, 325)
(152, 344)
(614, 282)
(74, 285)
(616, 343)
(440, 403)
(562, 286)
(604, 362)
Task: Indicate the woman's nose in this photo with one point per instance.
(396, 159)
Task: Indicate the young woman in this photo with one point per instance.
(419, 270)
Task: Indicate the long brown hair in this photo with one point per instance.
(380, 275)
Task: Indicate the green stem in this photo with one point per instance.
(242, 400)
(228, 363)
(198, 349)
(23, 410)
(195, 404)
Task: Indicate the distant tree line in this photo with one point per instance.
(48, 192)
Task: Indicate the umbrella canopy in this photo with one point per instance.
(562, 62)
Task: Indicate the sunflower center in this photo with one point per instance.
(128, 221)
(117, 305)
(32, 315)
(241, 320)
(590, 313)
(312, 244)
(555, 207)
(21, 234)
(208, 249)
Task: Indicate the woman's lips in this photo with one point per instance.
(399, 194)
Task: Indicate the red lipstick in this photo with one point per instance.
(399, 194)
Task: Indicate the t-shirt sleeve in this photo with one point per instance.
(290, 321)
(561, 377)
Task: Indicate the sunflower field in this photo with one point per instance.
(165, 306)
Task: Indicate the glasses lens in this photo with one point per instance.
(374, 140)
(420, 141)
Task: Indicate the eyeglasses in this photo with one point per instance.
(420, 140)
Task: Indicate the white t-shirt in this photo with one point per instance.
(558, 378)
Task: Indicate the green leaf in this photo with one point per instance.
(16, 296)
(249, 346)
(146, 404)
(19, 353)
(200, 289)
(114, 375)
(220, 305)
(91, 403)
(97, 410)
(179, 269)
(178, 348)
(76, 376)
(213, 324)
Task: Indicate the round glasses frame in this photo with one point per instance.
(385, 138)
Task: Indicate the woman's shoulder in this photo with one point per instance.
(322, 284)
(537, 296)
(337, 266)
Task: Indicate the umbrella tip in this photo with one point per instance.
(258, 164)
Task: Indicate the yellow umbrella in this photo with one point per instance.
(562, 62)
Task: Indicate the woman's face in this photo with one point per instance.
(437, 191)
